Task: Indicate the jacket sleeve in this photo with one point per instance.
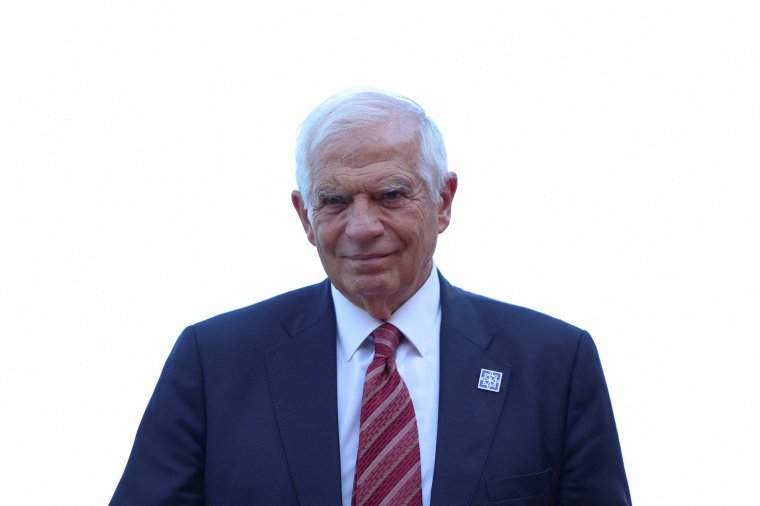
(592, 471)
(166, 466)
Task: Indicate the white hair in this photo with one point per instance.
(357, 109)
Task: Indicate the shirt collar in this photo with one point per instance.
(415, 319)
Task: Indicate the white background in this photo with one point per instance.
(607, 152)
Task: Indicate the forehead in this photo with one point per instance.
(394, 140)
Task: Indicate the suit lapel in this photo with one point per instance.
(467, 416)
(302, 380)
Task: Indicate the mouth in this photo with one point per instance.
(367, 257)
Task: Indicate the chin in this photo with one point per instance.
(373, 286)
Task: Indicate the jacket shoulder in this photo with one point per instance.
(512, 325)
(286, 312)
(524, 317)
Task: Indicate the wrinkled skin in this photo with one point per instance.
(374, 223)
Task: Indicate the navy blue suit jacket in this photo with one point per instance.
(245, 411)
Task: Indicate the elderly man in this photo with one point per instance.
(384, 384)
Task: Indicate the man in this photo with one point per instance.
(384, 384)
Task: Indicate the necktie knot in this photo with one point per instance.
(386, 338)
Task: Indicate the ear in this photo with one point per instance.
(303, 215)
(446, 198)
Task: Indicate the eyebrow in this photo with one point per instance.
(394, 187)
(321, 194)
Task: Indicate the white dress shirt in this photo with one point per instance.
(417, 360)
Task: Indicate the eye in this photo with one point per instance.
(330, 201)
(392, 197)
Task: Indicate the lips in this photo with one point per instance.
(371, 256)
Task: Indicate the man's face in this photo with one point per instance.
(374, 222)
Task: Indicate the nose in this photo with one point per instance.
(363, 220)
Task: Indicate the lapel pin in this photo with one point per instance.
(490, 380)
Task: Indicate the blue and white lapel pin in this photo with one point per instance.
(490, 380)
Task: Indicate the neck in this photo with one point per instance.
(383, 306)
(380, 308)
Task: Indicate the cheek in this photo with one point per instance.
(326, 233)
(426, 227)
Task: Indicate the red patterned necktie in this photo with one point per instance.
(388, 461)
